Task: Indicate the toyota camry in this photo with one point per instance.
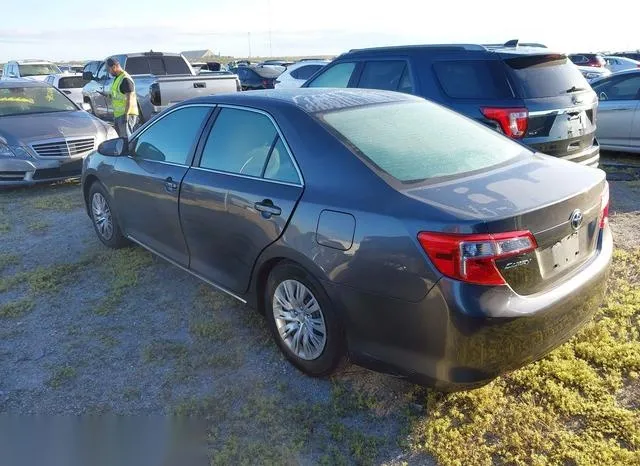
(365, 224)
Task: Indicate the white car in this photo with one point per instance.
(592, 73)
(69, 84)
(297, 74)
(30, 69)
(616, 64)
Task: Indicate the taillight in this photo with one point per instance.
(472, 258)
(512, 121)
(267, 84)
(604, 207)
(154, 94)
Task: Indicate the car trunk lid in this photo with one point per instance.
(559, 204)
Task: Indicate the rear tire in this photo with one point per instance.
(303, 321)
(103, 218)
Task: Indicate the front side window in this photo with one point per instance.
(617, 88)
(385, 75)
(335, 76)
(419, 140)
(137, 65)
(173, 137)
(102, 73)
(72, 82)
(30, 100)
(239, 142)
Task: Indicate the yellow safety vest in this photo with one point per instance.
(119, 99)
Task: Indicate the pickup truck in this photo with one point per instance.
(161, 80)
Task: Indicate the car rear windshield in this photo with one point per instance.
(159, 66)
(537, 76)
(473, 79)
(28, 100)
(73, 82)
(38, 70)
(419, 140)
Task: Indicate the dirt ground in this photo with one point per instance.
(88, 330)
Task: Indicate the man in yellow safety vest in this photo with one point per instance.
(123, 99)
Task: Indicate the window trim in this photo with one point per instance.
(194, 150)
(209, 126)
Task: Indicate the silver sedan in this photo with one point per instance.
(43, 135)
(619, 111)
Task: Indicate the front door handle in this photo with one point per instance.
(267, 208)
(170, 185)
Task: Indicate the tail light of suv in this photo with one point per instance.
(604, 207)
(513, 121)
(154, 94)
(472, 258)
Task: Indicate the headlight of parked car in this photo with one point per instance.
(12, 151)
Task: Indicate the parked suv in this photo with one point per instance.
(526, 92)
(588, 59)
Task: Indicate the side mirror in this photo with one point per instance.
(86, 107)
(114, 147)
(87, 76)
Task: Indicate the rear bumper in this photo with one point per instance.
(589, 156)
(460, 335)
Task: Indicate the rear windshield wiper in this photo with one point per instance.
(575, 89)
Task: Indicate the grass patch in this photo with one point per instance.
(62, 200)
(8, 260)
(16, 308)
(211, 329)
(132, 394)
(5, 227)
(563, 409)
(61, 376)
(43, 280)
(39, 226)
(164, 350)
(121, 268)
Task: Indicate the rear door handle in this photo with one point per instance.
(267, 208)
(199, 85)
(170, 185)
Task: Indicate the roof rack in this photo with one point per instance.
(475, 47)
(513, 43)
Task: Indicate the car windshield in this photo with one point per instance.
(420, 140)
(38, 69)
(28, 100)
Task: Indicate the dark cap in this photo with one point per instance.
(112, 62)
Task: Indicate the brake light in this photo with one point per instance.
(512, 121)
(472, 258)
(604, 207)
(154, 94)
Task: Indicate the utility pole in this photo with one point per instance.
(270, 45)
(249, 39)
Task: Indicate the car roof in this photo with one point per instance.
(618, 73)
(66, 75)
(509, 47)
(21, 82)
(309, 100)
(34, 62)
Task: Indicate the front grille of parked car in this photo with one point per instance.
(67, 170)
(64, 147)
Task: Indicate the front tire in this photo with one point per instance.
(302, 320)
(104, 221)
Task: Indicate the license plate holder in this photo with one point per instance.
(576, 125)
(566, 251)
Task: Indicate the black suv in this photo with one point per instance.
(523, 90)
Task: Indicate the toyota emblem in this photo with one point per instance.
(576, 219)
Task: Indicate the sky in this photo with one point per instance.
(86, 29)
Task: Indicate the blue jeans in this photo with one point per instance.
(125, 125)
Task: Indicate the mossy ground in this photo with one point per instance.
(571, 408)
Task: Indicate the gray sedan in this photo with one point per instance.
(364, 223)
(43, 135)
(619, 111)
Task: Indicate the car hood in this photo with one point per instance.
(27, 129)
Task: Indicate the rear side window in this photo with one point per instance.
(73, 82)
(619, 88)
(335, 76)
(305, 72)
(239, 142)
(473, 79)
(137, 65)
(419, 140)
(385, 75)
(536, 76)
(578, 59)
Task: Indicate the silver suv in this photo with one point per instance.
(30, 69)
